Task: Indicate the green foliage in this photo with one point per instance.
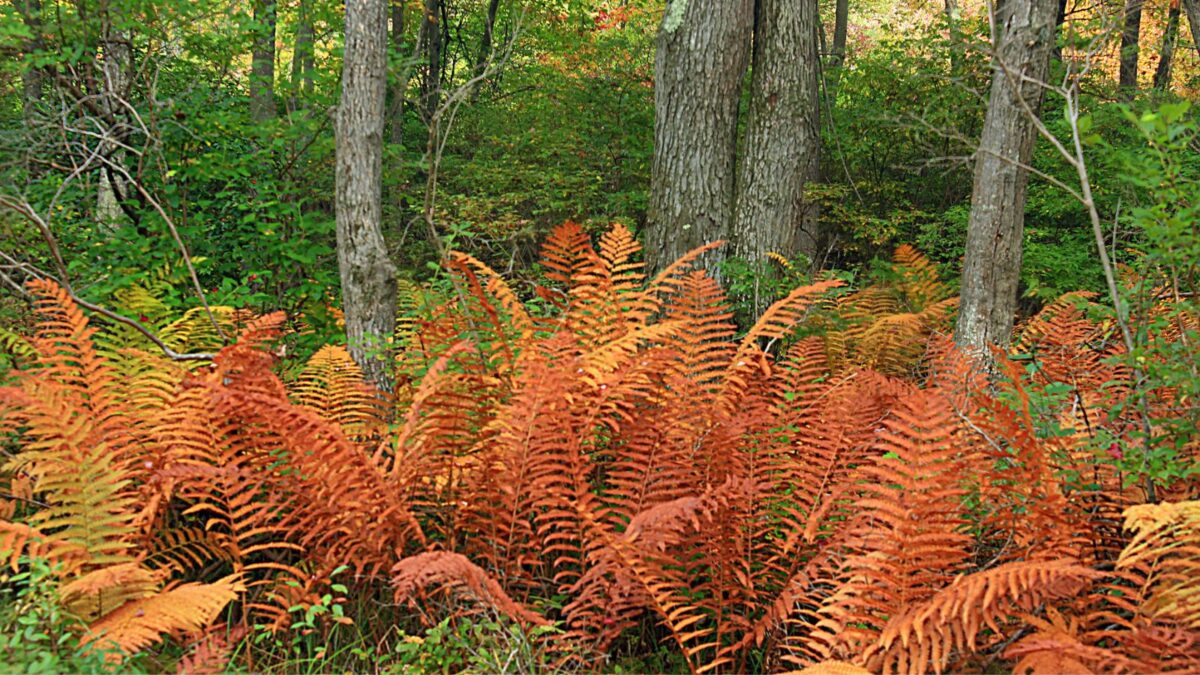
(37, 636)
(902, 117)
(1164, 296)
(485, 644)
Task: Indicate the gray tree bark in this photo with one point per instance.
(782, 142)
(114, 71)
(1131, 30)
(1193, 16)
(703, 47)
(262, 62)
(992, 264)
(368, 276)
(1166, 55)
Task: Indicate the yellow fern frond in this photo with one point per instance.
(920, 284)
(1166, 547)
(409, 305)
(780, 260)
(195, 332)
(100, 591)
(332, 385)
(140, 623)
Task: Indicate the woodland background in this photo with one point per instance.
(301, 373)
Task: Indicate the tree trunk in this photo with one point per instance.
(396, 118)
(703, 47)
(1130, 34)
(483, 57)
(485, 42)
(1193, 16)
(782, 134)
(1060, 20)
(992, 263)
(262, 68)
(837, 57)
(368, 277)
(956, 43)
(114, 71)
(1162, 74)
(302, 57)
(431, 33)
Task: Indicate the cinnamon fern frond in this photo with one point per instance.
(185, 608)
(911, 526)
(444, 569)
(929, 635)
(888, 324)
(332, 385)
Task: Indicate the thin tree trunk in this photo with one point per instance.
(396, 117)
(1162, 74)
(951, 10)
(1130, 35)
(302, 57)
(431, 33)
(1024, 34)
(114, 72)
(1059, 21)
(368, 277)
(782, 135)
(262, 68)
(837, 57)
(484, 55)
(703, 47)
(1193, 16)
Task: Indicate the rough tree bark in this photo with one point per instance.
(1130, 35)
(782, 140)
(1193, 16)
(1024, 34)
(262, 62)
(368, 277)
(1162, 74)
(703, 47)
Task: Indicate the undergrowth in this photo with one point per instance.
(614, 480)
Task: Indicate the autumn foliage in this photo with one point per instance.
(863, 498)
